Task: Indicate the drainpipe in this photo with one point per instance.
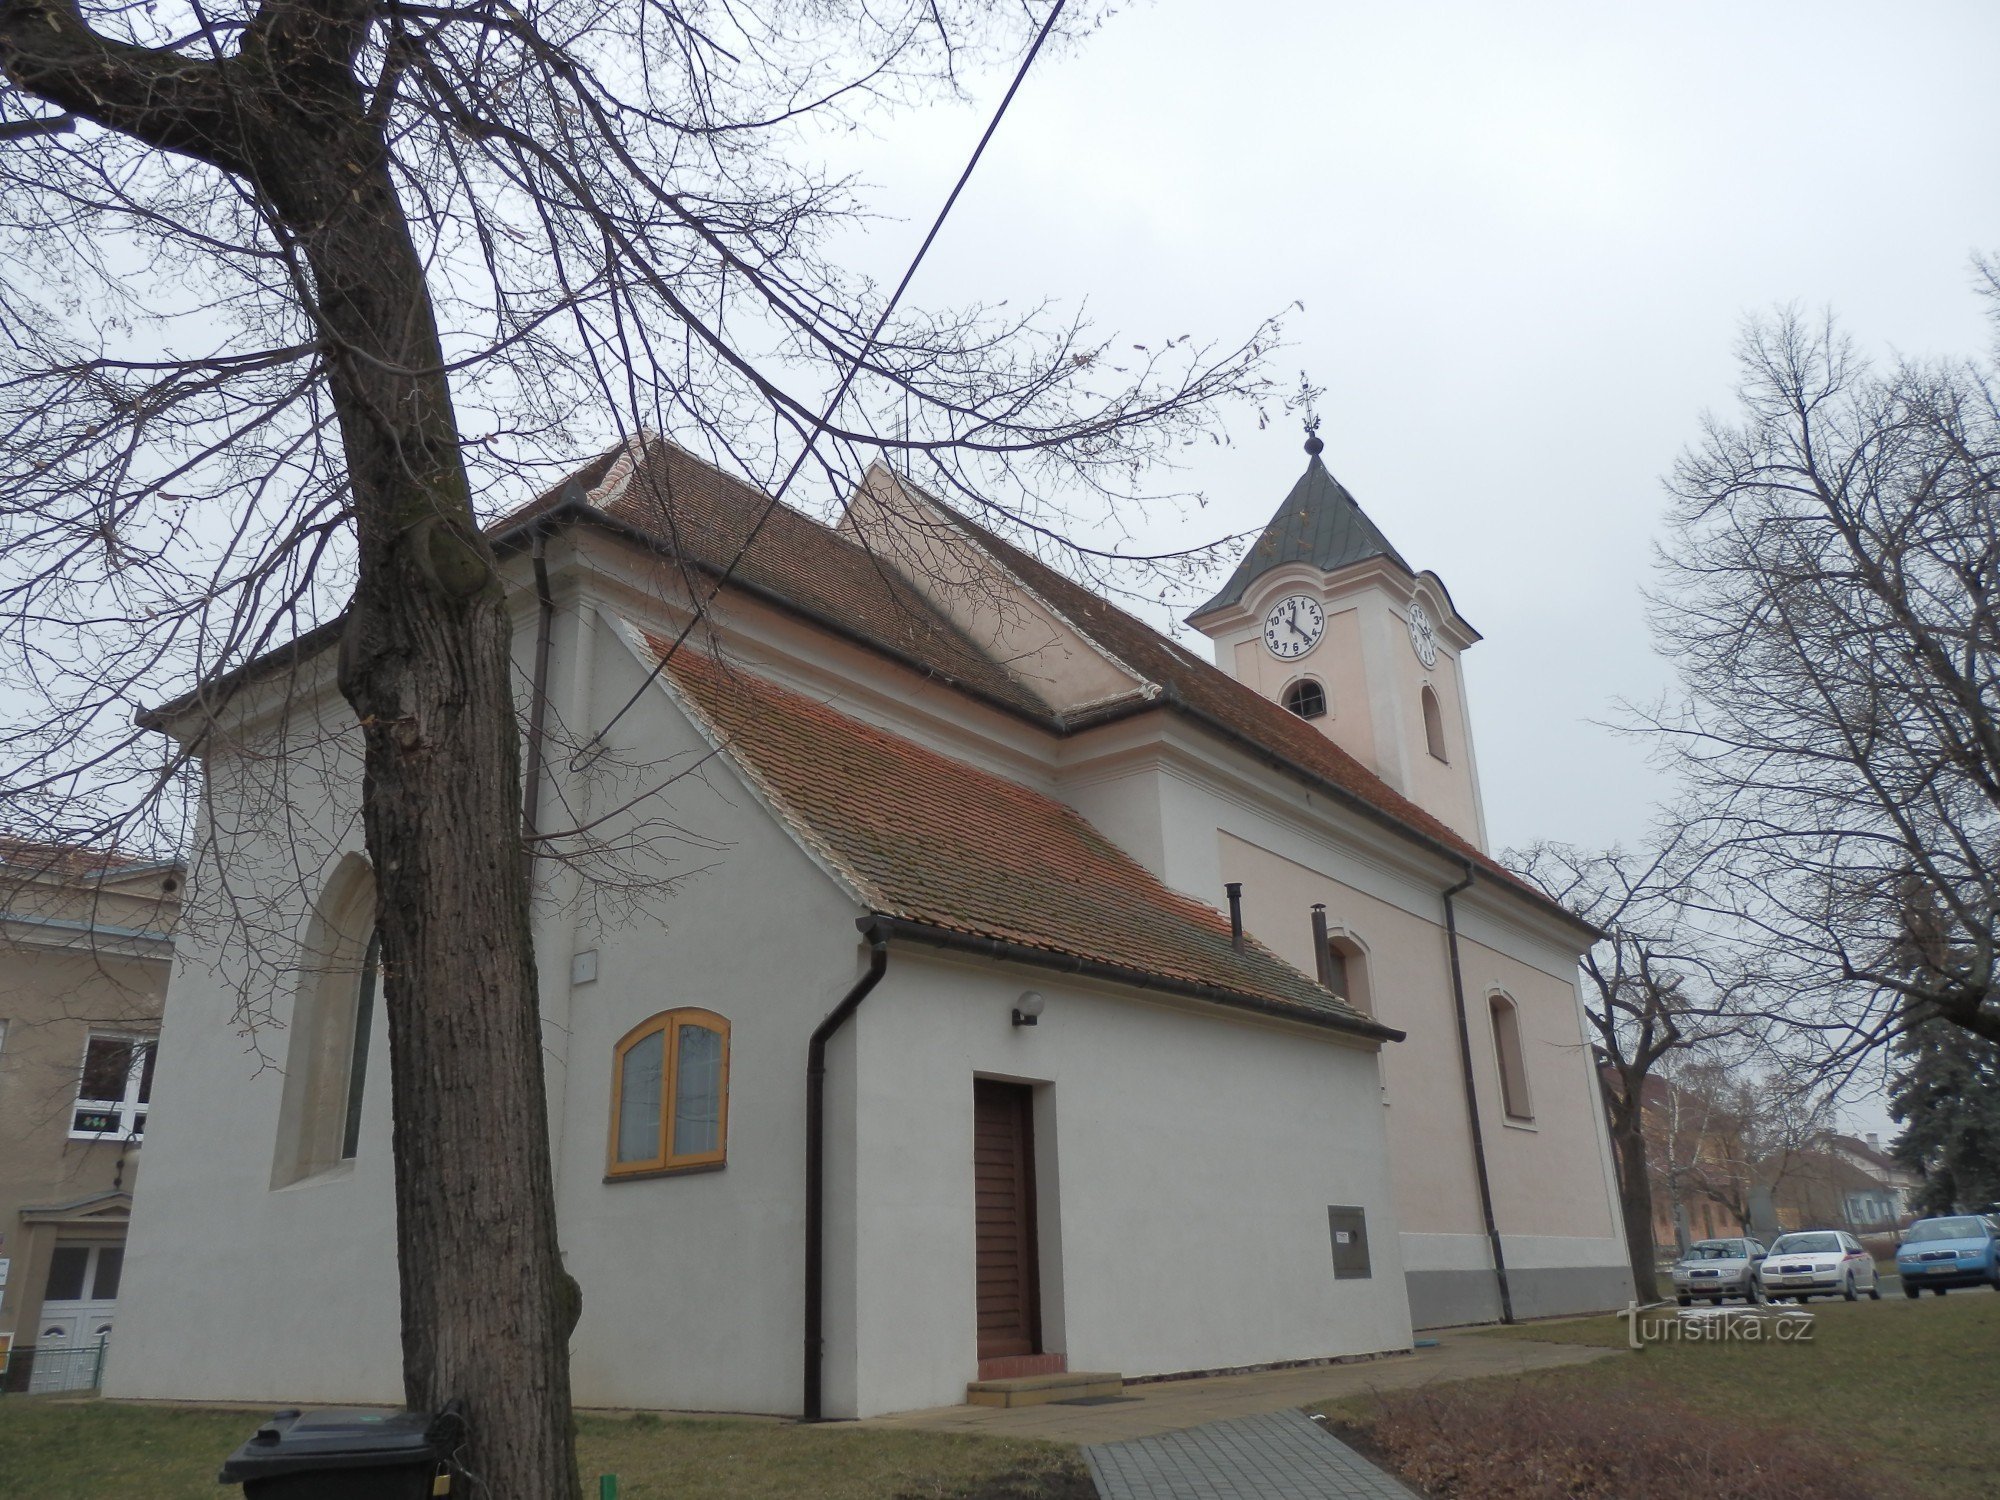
(1234, 890)
(1472, 1101)
(878, 962)
(1320, 945)
(538, 706)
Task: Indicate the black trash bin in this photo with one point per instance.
(345, 1454)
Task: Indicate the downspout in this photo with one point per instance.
(538, 706)
(1472, 1100)
(878, 963)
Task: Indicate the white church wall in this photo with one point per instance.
(233, 1290)
(1193, 1163)
(692, 1283)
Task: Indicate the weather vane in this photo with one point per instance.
(1306, 402)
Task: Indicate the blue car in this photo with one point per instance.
(1962, 1250)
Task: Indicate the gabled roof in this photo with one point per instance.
(929, 840)
(1320, 523)
(695, 514)
(704, 517)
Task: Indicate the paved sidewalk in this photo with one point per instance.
(1283, 1455)
(1170, 1405)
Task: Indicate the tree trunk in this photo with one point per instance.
(486, 1306)
(426, 664)
(1635, 1197)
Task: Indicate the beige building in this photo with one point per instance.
(85, 949)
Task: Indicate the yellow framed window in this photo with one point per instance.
(670, 1094)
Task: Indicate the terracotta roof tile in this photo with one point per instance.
(930, 839)
(40, 857)
(702, 514)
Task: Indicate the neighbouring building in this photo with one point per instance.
(1074, 1117)
(1697, 1163)
(85, 949)
(1843, 1181)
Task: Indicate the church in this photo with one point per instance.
(948, 979)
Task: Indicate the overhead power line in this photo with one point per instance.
(840, 393)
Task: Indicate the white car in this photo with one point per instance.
(1818, 1262)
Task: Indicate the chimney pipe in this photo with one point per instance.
(1320, 944)
(1235, 891)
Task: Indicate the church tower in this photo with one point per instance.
(1324, 616)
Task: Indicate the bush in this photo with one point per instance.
(1522, 1443)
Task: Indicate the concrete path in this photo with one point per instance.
(1283, 1455)
(1171, 1405)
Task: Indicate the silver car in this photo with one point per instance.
(1715, 1269)
(1818, 1262)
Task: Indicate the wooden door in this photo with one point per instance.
(1003, 1180)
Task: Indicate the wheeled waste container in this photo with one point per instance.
(347, 1454)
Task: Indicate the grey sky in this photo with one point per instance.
(1525, 237)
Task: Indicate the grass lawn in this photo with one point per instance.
(1908, 1389)
(53, 1448)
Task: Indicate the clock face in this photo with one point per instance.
(1423, 638)
(1294, 626)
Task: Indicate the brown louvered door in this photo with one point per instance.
(1003, 1180)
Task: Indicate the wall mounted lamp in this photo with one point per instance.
(1028, 1009)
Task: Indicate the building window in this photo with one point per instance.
(114, 1089)
(333, 1020)
(1347, 971)
(1306, 698)
(1513, 1063)
(357, 1055)
(1434, 724)
(670, 1094)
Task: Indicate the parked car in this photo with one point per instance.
(1716, 1269)
(1957, 1250)
(1817, 1262)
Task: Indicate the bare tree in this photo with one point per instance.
(1736, 1117)
(1653, 988)
(292, 290)
(1831, 604)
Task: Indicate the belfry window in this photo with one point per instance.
(1306, 698)
(1434, 724)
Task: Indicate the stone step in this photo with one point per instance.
(1038, 1390)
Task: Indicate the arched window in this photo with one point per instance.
(1434, 724)
(333, 1018)
(1347, 971)
(670, 1094)
(1306, 698)
(1513, 1062)
(357, 1047)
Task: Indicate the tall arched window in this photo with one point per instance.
(1434, 724)
(670, 1095)
(1513, 1061)
(1347, 971)
(333, 1019)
